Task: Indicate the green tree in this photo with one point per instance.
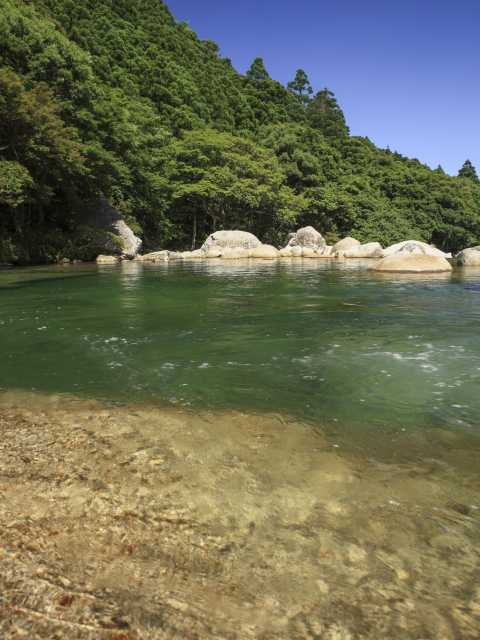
(257, 71)
(325, 114)
(218, 180)
(301, 87)
(468, 171)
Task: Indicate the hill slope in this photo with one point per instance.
(115, 99)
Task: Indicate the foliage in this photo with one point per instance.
(468, 171)
(301, 87)
(116, 99)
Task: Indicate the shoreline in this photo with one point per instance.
(129, 522)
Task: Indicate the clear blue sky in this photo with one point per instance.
(406, 72)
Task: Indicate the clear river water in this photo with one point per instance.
(325, 342)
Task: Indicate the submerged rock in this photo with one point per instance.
(469, 257)
(412, 263)
(414, 247)
(230, 240)
(307, 237)
(368, 250)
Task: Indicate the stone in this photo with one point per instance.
(414, 247)
(213, 252)
(368, 250)
(308, 252)
(412, 263)
(286, 252)
(101, 215)
(265, 252)
(175, 255)
(101, 259)
(297, 251)
(230, 240)
(307, 237)
(469, 257)
(346, 244)
(155, 256)
(193, 255)
(235, 254)
(327, 252)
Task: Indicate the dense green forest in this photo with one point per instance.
(115, 99)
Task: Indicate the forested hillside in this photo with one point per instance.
(114, 99)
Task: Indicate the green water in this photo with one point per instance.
(326, 342)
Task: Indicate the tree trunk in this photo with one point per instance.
(194, 231)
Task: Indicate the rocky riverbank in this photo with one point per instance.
(138, 523)
(409, 256)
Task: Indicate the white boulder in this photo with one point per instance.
(347, 244)
(101, 259)
(230, 240)
(412, 263)
(414, 247)
(154, 256)
(307, 237)
(469, 257)
(265, 252)
(368, 250)
(235, 254)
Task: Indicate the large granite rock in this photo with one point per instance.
(368, 250)
(230, 240)
(101, 215)
(469, 257)
(414, 247)
(412, 263)
(307, 237)
(347, 244)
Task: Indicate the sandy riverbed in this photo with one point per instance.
(130, 522)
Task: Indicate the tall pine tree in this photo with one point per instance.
(301, 87)
(324, 113)
(468, 171)
(257, 71)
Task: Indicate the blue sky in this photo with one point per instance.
(406, 73)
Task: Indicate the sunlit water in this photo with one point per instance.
(322, 341)
(321, 420)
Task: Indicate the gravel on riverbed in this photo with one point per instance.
(126, 524)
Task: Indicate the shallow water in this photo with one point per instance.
(322, 341)
(233, 525)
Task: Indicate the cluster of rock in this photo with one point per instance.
(409, 256)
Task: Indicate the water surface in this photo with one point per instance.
(321, 341)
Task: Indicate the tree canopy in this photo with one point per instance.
(118, 100)
(468, 171)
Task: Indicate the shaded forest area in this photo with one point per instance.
(116, 100)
